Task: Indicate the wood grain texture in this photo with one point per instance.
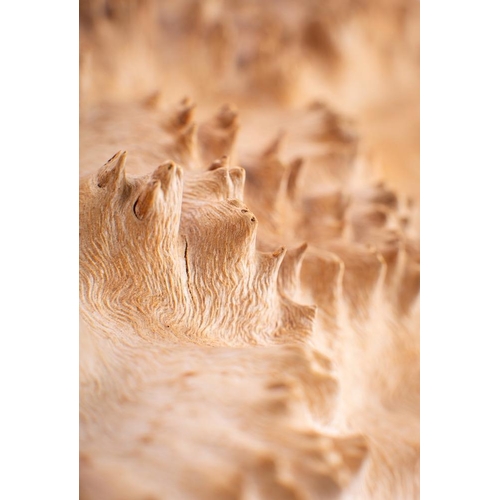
(249, 276)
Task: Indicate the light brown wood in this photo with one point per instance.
(249, 257)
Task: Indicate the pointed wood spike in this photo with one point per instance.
(145, 203)
(185, 113)
(293, 177)
(275, 147)
(179, 117)
(289, 273)
(270, 263)
(227, 116)
(165, 173)
(112, 174)
(217, 136)
(222, 162)
(187, 139)
(279, 253)
(298, 253)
